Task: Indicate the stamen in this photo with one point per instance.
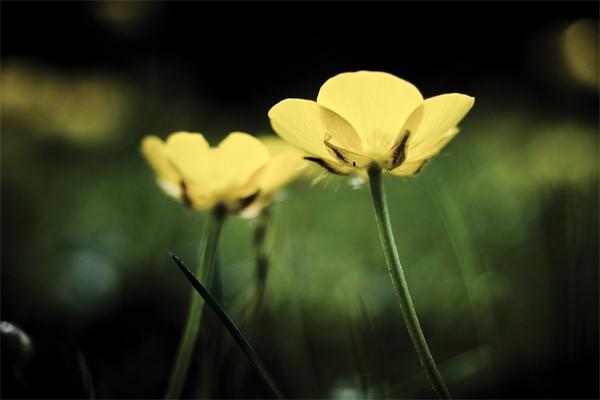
(246, 201)
(338, 154)
(187, 201)
(337, 151)
(399, 153)
(345, 156)
(324, 164)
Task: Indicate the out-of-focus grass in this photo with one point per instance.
(498, 236)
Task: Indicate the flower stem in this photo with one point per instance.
(400, 286)
(208, 245)
(262, 260)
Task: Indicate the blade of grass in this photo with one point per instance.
(208, 248)
(231, 327)
(359, 358)
(210, 345)
(373, 349)
(87, 382)
(471, 268)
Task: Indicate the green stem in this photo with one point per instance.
(262, 259)
(252, 304)
(400, 286)
(212, 228)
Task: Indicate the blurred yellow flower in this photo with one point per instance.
(367, 117)
(285, 164)
(85, 109)
(239, 173)
(580, 46)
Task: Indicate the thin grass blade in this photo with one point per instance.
(231, 327)
(87, 382)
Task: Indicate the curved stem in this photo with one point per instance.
(400, 286)
(208, 246)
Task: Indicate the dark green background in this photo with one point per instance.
(498, 234)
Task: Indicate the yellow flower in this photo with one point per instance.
(367, 117)
(285, 164)
(238, 172)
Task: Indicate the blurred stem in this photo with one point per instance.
(253, 303)
(400, 286)
(208, 245)
(262, 259)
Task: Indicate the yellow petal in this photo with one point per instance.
(199, 198)
(440, 115)
(188, 153)
(437, 146)
(285, 164)
(415, 165)
(280, 170)
(276, 145)
(396, 154)
(376, 104)
(348, 157)
(233, 165)
(167, 176)
(155, 152)
(172, 189)
(409, 168)
(237, 158)
(304, 124)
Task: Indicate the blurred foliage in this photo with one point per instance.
(498, 236)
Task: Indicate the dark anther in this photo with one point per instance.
(340, 153)
(399, 153)
(246, 201)
(184, 195)
(337, 152)
(325, 165)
